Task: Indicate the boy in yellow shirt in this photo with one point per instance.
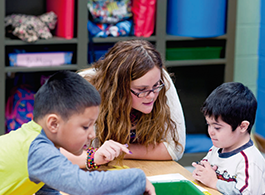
(65, 110)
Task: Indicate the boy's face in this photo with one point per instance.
(222, 135)
(77, 132)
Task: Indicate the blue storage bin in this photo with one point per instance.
(196, 18)
(99, 50)
(98, 54)
(197, 143)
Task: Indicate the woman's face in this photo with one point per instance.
(147, 82)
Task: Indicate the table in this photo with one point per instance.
(152, 168)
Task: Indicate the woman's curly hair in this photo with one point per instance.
(124, 62)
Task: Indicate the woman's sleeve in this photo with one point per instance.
(177, 116)
(87, 72)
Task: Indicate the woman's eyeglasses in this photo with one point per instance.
(147, 92)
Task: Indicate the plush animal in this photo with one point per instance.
(30, 28)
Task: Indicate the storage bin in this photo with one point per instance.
(196, 143)
(65, 11)
(99, 50)
(191, 53)
(174, 188)
(193, 18)
(40, 59)
(98, 54)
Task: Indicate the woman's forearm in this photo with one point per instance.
(159, 152)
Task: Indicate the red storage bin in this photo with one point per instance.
(64, 9)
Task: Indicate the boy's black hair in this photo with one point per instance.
(65, 93)
(233, 103)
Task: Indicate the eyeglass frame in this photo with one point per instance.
(149, 91)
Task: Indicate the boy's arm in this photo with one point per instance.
(76, 160)
(251, 176)
(227, 187)
(106, 153)
(47, 164)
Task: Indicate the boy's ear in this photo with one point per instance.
(244, 125)
(52, 123)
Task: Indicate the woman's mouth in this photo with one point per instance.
(149, 103)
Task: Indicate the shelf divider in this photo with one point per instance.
(160, 30)
(175, 63)
(115, 39)
(51, 41)
(2, 67)
(42, 68)
(230, 42)
(180, 38)
(82, 34)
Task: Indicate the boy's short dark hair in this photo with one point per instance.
(233, 103)
(65, 93)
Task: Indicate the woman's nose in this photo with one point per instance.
(151, 94)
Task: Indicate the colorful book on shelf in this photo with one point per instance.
(64, 9)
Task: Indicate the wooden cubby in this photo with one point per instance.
(80, 44)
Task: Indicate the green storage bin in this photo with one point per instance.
(192, 53)
(173, 188)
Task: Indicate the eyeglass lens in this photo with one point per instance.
(146, 93)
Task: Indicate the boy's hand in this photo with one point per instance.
(108, 151)
(149, 188)
(205, 173)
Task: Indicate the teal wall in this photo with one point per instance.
(247, 42)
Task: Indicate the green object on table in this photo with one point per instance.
(191, 53)
(174, 188)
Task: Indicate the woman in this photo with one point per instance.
(140, 106)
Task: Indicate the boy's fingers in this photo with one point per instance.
(103, 154)
(116, 147)
(194, 164)
(122, 147)
(206, 164)
(214, 167)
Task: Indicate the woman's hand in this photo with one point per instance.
(108, 151)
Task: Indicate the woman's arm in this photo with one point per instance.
(159, 152)
(177, 116)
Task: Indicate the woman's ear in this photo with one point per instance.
(52, 122)
(244, 126)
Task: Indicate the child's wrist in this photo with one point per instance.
(90, 163)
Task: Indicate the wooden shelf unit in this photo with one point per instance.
(81, 42)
